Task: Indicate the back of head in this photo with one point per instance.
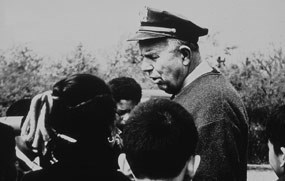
(84, 110)
(159, 139)
(275, 129)
(125, 88)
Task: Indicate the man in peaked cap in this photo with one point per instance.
(170, 56)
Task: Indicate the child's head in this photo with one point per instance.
(159, 141)
(127, 93)
(125, 88)
(275, 130)
(84, 110)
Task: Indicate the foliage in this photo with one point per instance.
(79, 61)
(20, 75)
(259, 79)
(260, 82)
(24, 74)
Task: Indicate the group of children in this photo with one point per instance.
(158, 139)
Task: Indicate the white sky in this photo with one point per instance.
(55, 27)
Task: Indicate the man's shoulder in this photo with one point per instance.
(211, 92)
(212, 79)
(208, 86)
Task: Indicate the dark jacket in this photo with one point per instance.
(221, 120)
(60, 172)
(7, 153)
(77, 163)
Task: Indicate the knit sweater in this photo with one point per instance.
(221, 120)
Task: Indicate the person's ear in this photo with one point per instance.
(282, 158)
(124, 166)
(186, 54)
(193, 165)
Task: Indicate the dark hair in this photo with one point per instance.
(193, 46)
(275, 129)
(19, 108)
(83, 109)
(159, 138)
(125, 88)
(7, 153)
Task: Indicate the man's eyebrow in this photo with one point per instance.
(150, 52)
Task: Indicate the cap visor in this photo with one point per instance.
(147, 35)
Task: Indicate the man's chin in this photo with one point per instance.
(162, 86)
(165, 88)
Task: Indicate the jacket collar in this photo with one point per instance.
(201, 69)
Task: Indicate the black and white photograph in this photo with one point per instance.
(142, 90)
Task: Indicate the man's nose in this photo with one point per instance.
(150, 69)
(146, 67)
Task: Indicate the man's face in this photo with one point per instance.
(124, 108)
(163, 65)
(274, 160)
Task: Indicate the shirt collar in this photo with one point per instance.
(201, 69)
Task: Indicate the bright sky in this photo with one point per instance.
(55, 27)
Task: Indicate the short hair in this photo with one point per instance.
(275, 129)
(193, 46)
(159, 138)
(125, 88)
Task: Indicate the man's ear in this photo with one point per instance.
(193, 165)
(124, 166)
(186, 54)
(282, 158)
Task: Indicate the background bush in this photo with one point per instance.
(260, 82)
(259, 79)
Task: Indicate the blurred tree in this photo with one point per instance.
(260, 82)
(20, 75)
(79, 61)
(259, 79)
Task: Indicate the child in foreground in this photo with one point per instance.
(159, 142)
